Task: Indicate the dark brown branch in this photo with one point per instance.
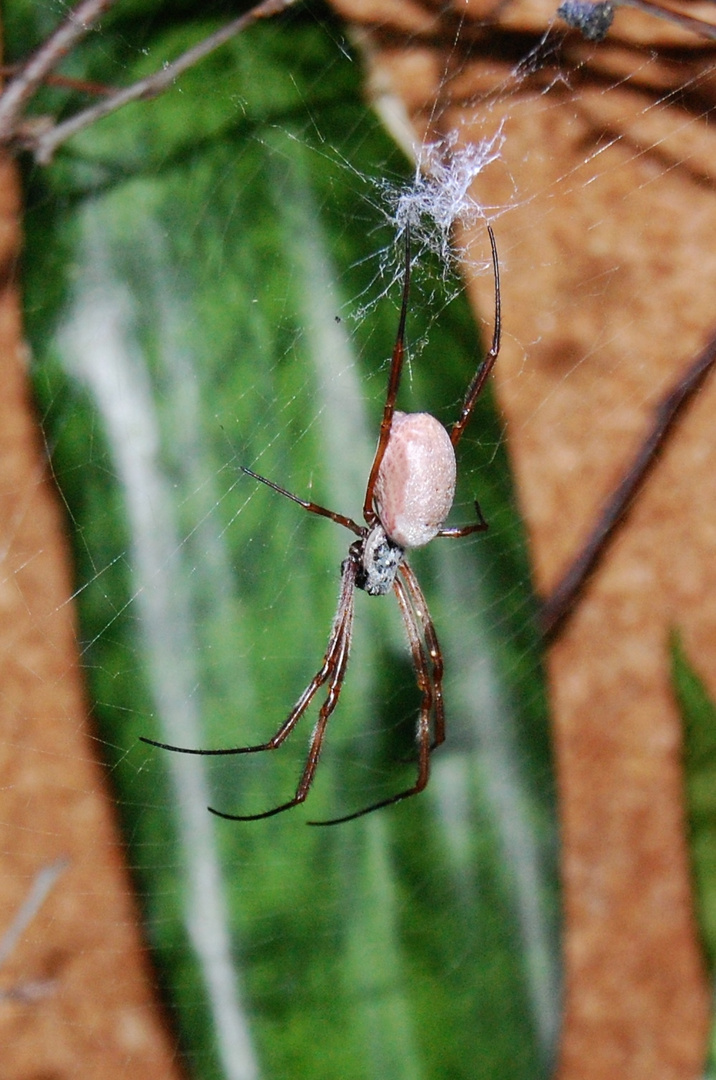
(556, 608)
(45, 143)
(19, 90)
(64, 82)
(686, 22)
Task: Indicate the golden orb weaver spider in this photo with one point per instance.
(409, 494)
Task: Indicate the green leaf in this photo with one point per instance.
(698, 714)
(699, 719)
(206, 288)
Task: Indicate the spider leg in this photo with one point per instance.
(420, 607)
(312, 507)
(333, 671)
(286, 727)
(396, 367)
(480, 377)
(454, 532)
(414, 611)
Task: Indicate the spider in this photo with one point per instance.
(409, 494)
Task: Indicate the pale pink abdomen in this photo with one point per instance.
(416, 483)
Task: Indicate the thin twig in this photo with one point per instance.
(65, 82)
(20, 89)
(558, 606)
(45, 144)
(687, 22)
(27, 993)
(41, 886)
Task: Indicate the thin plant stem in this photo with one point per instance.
(41, 886)
(22, 87)
(64, 82)
(687, 22)
(45, 143)
(557, 607)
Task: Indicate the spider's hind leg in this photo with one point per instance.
(428, 666)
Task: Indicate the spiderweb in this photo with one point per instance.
(212, 279)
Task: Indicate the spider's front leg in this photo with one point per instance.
(482, 374)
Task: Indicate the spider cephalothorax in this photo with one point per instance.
(408, 497)
(377, 559)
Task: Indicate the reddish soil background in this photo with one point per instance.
(608, 254)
